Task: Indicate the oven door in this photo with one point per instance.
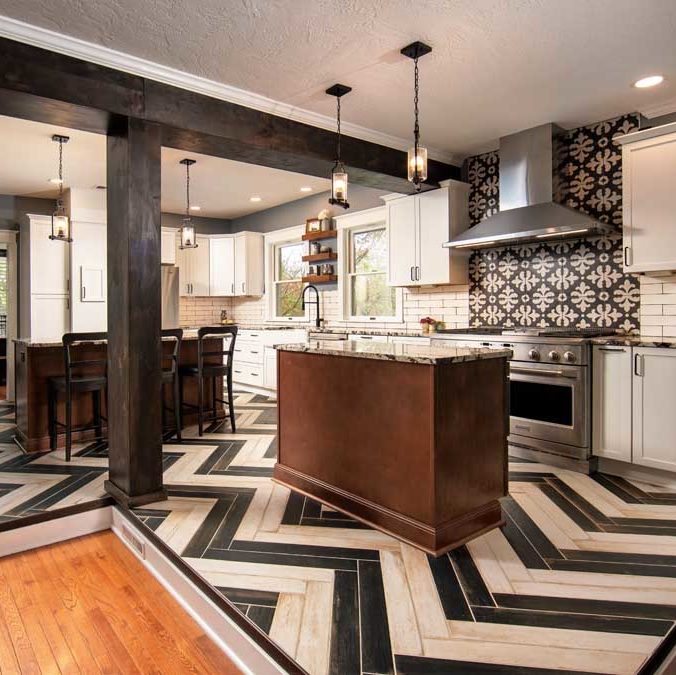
(549, 402)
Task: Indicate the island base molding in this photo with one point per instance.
(133, 501)
(433, 539)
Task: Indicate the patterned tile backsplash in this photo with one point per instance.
(577, 283)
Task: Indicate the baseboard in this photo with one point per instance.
(251, 389)
(59, 528)
(645, 474)
(229, 637)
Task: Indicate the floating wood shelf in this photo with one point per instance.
(322, 234)
(320, 257)
(320, 279)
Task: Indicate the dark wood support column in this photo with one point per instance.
(134, 308)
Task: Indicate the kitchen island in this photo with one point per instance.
(38, 360)
(411, 440)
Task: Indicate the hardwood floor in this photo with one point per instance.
(88, 605)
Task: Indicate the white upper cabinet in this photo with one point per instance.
(49, 260)
(654, 421)
(222, 266)
(611, 396)
(168, 247)
(649, 199)
(193, 266)
(418, 226)
(249, 264)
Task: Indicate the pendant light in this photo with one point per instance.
(417, 155)
(338, 173)
(60, 220)
(187, 228)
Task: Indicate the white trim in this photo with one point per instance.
(56, 530)
(111, 58)
(659, 109)
(10, 237)
(644, 474)
(248, 656)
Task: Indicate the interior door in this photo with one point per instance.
(222, 266)
(402, 239)
(433, 219)
(654, 428)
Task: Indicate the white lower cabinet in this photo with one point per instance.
(270, 368)
(654, 408)
(611, 416)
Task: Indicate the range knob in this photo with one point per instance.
(534, 355)
(554, 356)
(569, 357)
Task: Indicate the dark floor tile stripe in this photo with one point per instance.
(633, 529)
(570, 509)
(421, 665)
(606, 624)
(375, 632)
(470, 578)
(582, 504)
(345, 651)
(613, 568)
(609, 556)
(200, 541)
(522, 546)
(228, 528)
(311, 509)
(304, 549)
(294, 509)
(250, 597)
(225, 450)
(261, 616)
(331, 522)
(611, 486)
(215, 553)
(535, 535)
(450, 591)
(581, 606)
(645, 522)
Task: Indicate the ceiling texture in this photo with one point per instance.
(221, 187)
(498, 66)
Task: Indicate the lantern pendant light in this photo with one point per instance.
(60, 219)
(338, 173)
(187, 228)
(417, 155)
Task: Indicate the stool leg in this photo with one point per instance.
(52, 419)
(69, 423)
(231, 405)
(213, 397)
(200, 403)
(96, 401)
(178, 403)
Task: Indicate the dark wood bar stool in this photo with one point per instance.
(170, 375)
(86, 375)
(204, 371)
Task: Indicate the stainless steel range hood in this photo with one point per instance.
(533, 192)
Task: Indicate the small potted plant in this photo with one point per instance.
(428, 324)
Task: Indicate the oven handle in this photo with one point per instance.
(544, 372)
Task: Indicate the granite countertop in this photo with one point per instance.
(386, 351)
(634, 341)
(188, 334)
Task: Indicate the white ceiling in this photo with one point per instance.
(221, 188)
(498, 66)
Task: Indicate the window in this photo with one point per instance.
(288, 287)
(368, 294)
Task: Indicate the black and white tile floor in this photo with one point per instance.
(582, 578)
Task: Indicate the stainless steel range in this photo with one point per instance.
(550, 389)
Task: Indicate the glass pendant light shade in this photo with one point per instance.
(60, 219)
(187, 228)
(187, 234)
(417, 165)
(339, 186)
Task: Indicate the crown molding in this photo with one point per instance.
(110, 58)
(659, 109)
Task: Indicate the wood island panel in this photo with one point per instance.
(35, 364)
(418, 451)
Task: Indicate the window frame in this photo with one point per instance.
(274, 241)
(349, 224)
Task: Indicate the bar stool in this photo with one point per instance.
(170, 375)
(76, 383)
(212, 371)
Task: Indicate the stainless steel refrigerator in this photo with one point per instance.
(170, 297)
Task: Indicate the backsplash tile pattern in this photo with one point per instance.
(575, 283)
(658, 305)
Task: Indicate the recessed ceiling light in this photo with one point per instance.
(194, 207)
(56, 181)
(306, 188)
(649, 81)
(255, 198)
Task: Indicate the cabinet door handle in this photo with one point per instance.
(84, 292)
(627, 256)
(638, 365)
(417, 274)
(412, 273)
(242, 287)
(612, 349)
(233, 288)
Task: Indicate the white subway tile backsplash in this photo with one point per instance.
(658, 305)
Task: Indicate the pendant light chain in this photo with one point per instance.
(60, 170)
(187, 190)
(338, 141)
(416, 126)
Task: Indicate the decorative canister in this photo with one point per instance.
(326, 224)
(325, 249)
(312, 270)
(327, 268)
(315, 248)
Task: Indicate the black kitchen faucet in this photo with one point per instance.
(318, 321)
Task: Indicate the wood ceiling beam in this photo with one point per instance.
(56, 89)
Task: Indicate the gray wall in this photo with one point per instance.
(202, 225)
(13, 210)
(298, 211)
